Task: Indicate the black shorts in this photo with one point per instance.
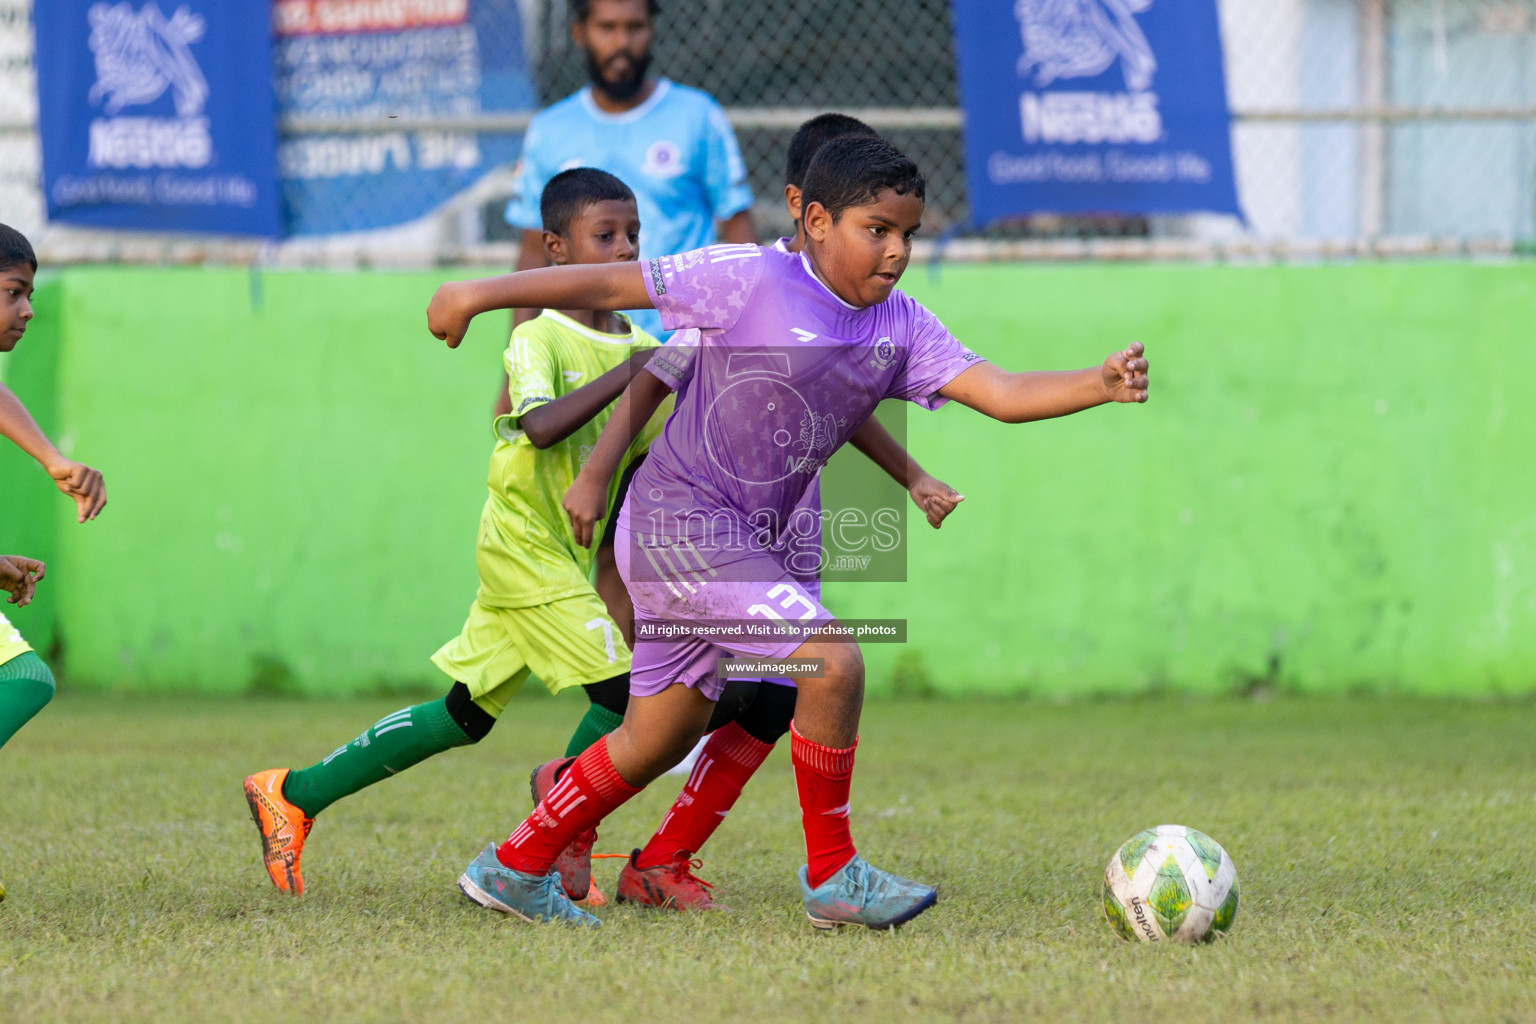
(612, 527)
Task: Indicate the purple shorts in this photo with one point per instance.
(697, 599)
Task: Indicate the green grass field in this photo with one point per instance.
(1386, 850)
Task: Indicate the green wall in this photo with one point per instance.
(294, 470)
(1330, 490)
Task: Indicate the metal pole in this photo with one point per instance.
(1373, 133)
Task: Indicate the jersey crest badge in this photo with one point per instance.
(663, 159)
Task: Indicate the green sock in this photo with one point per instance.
(25, 686)
(391, 745)
(595, 724)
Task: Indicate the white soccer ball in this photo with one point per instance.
(1170, 882)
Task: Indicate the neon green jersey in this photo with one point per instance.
(527, 553)
(12, 646)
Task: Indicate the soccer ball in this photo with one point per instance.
(1170, 882)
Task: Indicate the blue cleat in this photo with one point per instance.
(531, 897)
(862, 894)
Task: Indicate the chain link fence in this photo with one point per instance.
(1385, 118)
(774, 65)
(21, 202)
(1359, 126)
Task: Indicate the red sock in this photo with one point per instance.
(824, 776)
(725, 764)
(588, 792)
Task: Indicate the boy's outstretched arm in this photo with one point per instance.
(574, 286)
(555, 421)
(1021, 397)
(587, 500)
(75, 479)
(936, 498)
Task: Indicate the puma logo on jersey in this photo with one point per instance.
(571, 376)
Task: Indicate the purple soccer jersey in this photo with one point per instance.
(779, 374)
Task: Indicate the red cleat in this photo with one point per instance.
(670, 886)
(575, 861)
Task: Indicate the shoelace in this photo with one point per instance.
(680, 867)
(550, 891)
(872, 882)
(682, 871)
(878, 884)
(552, 895)
(858, 879)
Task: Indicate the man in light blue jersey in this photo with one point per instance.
(670, 143)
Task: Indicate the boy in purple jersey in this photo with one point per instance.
(662, 873)
(702, 547)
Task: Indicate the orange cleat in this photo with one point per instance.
(283, 828)
(595, 898)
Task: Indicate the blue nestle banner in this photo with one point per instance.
(419, 60)
(1093, 106)
(158, 119)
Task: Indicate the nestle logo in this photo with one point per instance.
(1070, 117)
(145, 142)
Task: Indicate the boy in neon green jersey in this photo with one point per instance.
(26, 685)
(537, 611)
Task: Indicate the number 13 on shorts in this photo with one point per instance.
(790, 599)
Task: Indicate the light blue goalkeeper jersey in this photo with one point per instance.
(676, 151)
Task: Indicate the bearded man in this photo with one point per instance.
(671, 144)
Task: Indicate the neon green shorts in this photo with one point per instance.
(569, 642)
